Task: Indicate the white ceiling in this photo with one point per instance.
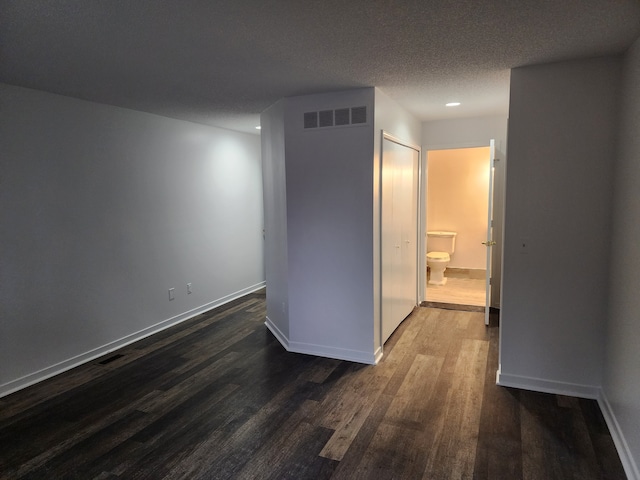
(223, 62)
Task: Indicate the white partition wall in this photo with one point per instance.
(325, 294)
(329, 230)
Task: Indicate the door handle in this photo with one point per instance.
(490, 243)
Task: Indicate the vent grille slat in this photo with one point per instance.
(359, 115)
(342, 116)
(326, 118)
(311, 120)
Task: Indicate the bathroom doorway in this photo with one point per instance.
(457, 200)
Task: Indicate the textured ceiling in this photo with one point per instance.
(223, 62)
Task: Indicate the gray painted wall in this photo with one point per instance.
(103, 210)
(622, 360)
(562, 139)
(476, 132)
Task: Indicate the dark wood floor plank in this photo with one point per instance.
(218, 397)
(353, 459)
(391, 454)
(499, 452)
(275, 421)
(356, 400)
(412, 399)
(294, 443)
(455, 445)
(606, 456)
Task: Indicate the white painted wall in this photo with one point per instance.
(104, 209)
(329, 229)
(562, 138)
(275, 218)
(477, 132)
(622, 360)
(394, 120)
(458, 200)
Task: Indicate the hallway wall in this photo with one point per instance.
(621, 384)
(562, 138)
(103, 210)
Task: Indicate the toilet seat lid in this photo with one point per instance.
(438, 256)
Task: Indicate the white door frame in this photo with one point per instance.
(422, 219)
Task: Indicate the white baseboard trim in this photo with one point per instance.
(547, 386)
(281, 337)
(333, 352)
(320, 350)
(48, 372)
(626, 456)
(378, 355)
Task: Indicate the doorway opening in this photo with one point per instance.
(458, 200)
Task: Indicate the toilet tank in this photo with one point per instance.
(438, 241)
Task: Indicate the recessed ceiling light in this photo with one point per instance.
(258, 127)
(452, 104)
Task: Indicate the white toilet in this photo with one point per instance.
(440, 245)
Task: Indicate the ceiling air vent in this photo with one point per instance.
(340, 117)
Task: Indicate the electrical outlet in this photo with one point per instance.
(189, 291)
(172, 292)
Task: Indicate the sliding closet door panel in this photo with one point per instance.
(398, 234)
(409, 230)
(390, 241)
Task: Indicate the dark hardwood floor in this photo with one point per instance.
(218, 397)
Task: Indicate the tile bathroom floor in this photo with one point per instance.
(459, 291)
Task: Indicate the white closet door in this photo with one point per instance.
(391, 240)
(409, 230)
(398, 234)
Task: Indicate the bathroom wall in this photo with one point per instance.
(103, 210)
(458, 199)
